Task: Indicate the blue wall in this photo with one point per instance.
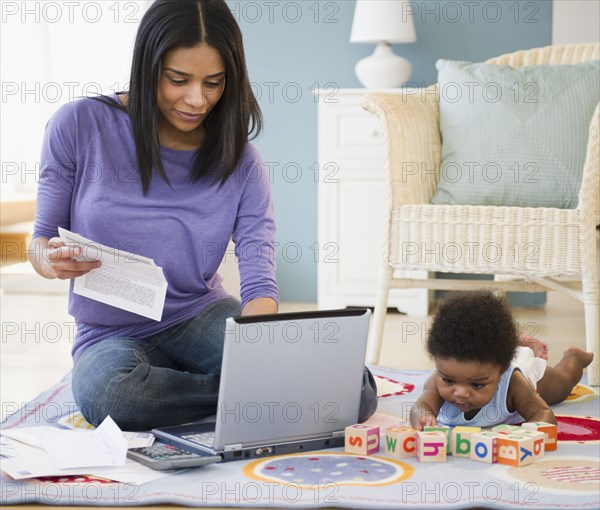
(293, 47)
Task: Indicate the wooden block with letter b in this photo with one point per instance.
(431, 446)
(515, 450)
(461, 440)
(550, 433)
(361, 439)
(401, 442)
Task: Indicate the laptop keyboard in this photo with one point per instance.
(205, 438)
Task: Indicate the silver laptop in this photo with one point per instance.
(290, 383)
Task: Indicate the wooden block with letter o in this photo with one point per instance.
(484, 446)
(362, 439)
(401, 442)
(550, 433)
(431, 446)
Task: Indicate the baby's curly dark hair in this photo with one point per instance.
(474, 326)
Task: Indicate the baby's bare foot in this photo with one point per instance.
(539, 348)
(584, 358)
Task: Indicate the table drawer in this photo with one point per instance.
(354, 135)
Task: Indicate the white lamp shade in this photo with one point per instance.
(382, 20)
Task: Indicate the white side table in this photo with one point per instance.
(351, 206)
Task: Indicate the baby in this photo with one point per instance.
(485, 374)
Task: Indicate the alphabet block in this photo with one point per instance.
(461, 440)
(506, 429)
(538, 441)
(484, 446)
(361, 439)
(515, 450)
(550, 433)
(446, 430)
(431, 446)
(401, 442)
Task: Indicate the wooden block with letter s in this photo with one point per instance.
(361, 439)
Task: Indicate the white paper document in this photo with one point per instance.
(7, 450)
(138, 439)
(52, 451)
(74, 449)
(125, 280)
(38, 465)
(40, 436)
(105, 446)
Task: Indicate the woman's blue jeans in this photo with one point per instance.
(166, 379)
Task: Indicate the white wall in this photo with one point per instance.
(575, 21)
(52, 52)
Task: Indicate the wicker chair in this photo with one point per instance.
(568, 239)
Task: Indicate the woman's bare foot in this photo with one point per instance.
(539, 348)
(584, 358)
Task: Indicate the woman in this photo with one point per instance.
(165, 171)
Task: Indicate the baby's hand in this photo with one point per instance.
(421, 416)
(426, 420)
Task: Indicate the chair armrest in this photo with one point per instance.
(553, 55)
(410, 123)
(590, 180)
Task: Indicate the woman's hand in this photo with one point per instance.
(52, 258)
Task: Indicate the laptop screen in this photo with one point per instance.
(291, 376)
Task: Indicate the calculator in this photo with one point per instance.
(161, 456)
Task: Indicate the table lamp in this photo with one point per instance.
(383, 22)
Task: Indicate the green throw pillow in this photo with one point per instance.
(514, 136)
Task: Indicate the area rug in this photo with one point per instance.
(567, 478)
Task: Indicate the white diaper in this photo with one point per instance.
(533, 368)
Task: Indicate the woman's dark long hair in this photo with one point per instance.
(171, 24)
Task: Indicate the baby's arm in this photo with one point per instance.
(427, 406)
(523, 398)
